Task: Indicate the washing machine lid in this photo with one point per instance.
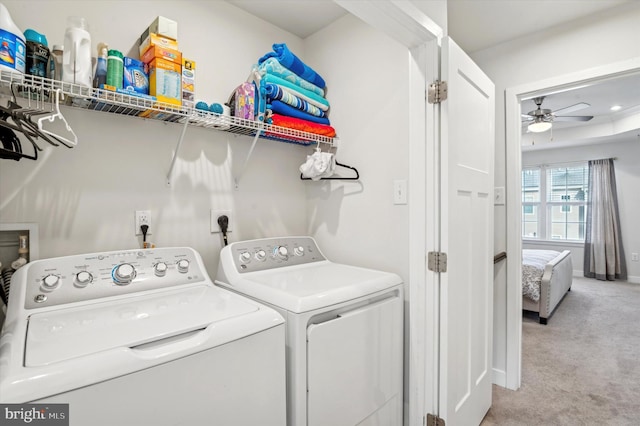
(313, 286)
(63, 334)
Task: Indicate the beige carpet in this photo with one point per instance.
(583, 368)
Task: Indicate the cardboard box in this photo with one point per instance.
(155, 40)
(165, 81)
(188, 83)
(136, 76)
(165, 53)
(161, 26)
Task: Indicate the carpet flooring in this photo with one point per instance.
(583, 368)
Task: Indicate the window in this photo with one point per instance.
(554, 202)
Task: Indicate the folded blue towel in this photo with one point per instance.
(293, 63)
(284, 109)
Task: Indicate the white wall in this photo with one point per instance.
(627, 169)
(605, 38)
(357, 222)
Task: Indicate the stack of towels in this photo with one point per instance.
(294, 93)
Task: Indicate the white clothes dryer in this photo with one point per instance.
(141, 337)
(344, 329)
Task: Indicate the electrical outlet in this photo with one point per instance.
(215, 214)
(634, 257)
(143, 217)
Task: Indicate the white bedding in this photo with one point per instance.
(533, 263)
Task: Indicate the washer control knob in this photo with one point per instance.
(160, 269)
(280, 252)
(50, 282)
(245, 257)
(83, 278)
(261, 255)
(298, 251)
(123, 274)
(183, 266)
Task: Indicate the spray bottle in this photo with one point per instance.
(101, 65)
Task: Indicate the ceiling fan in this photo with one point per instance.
(540, 120)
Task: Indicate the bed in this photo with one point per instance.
(546, 279)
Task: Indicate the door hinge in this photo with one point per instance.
(437, 92)
(433, 420)
(437, 261)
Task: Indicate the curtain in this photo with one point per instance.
(603, 252)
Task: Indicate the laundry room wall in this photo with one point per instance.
(356, 221)
(84, 198)
(606, 38)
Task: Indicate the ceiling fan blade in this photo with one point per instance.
(573, 118)
(572, 108)
(526, 117)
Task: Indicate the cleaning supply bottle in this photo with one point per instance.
(101, 65)
(55, 62)
(76, 59)
(12, 44)
(37, 53)
(115, 69)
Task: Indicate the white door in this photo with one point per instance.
(466, 236)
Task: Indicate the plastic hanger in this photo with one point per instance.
(58, 115)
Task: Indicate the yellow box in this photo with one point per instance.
(188, 82)
(165, 81)
(156, 51)
(156, 40)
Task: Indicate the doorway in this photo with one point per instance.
(514, 97)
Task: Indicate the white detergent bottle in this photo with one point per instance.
(13, 48)
(76, 59)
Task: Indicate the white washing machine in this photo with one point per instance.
(141, 337)
(344, 329)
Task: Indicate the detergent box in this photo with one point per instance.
(188, 82)
(156, 40)
(166, 53)
(136, 76)
(165, 81)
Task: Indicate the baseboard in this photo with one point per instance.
(630, 279)
(499, 378)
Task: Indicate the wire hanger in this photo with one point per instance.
(333, 177)
(356, 177)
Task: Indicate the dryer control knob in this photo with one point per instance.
(123, 274)
(261, 255)
(280, 252)
(183, 266)
(160, 269)
(245, 257)
(298, 251)
(83, 278)
(50, 282)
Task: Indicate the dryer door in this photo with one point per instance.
(355, 367)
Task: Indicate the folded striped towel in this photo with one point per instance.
(275, 92)
(308, 96)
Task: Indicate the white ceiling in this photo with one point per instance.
(480, 24)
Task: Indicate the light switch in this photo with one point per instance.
(400, 191)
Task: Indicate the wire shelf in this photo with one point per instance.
(78, 96)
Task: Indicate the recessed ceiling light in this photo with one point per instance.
(616, 108)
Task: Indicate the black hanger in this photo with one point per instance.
(356, 177)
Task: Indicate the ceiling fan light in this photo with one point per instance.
(539, 126)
